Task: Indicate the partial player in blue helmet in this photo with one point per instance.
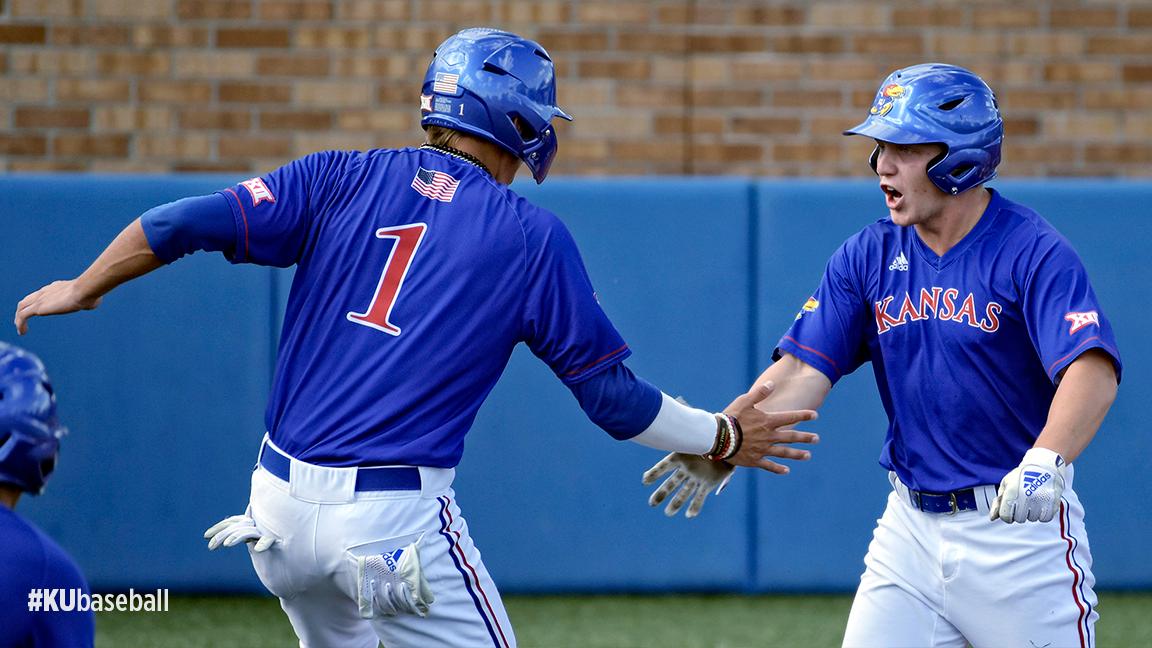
(418, 271)
(934, 103)
(499, 87)
(29, 445)
(996, 365)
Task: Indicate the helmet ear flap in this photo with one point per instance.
(873, 158)
(957, 171)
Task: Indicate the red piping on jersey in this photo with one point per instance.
(244, 218)
(1052, 366)
(596, 361)
(811, 350)
(1075, 575)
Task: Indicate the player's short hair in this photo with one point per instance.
(441, 136)
(497, 86)
(29, 431)
(936, 103)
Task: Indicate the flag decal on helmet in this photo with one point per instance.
(445, 83)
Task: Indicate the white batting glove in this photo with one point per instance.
(392, 583)
(1031, 492)
(231, 531)
(696, 477)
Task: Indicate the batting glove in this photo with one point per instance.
(694, 475)
(392, 583)
(1031, 492)
(231, 531)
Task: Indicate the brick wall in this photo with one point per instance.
(664, 87)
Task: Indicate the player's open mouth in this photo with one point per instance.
(891, 196)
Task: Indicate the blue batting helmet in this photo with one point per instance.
(944, 104)
(29, 432)
(498, 86)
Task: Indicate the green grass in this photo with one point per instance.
(580, 622)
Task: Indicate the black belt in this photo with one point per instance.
(376, 478)
(960, 500)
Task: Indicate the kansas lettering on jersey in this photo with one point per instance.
(937, 303)
(416, 276)
(967, 348)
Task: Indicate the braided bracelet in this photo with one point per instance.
(738, 433)
(723, 438)
(729, 437)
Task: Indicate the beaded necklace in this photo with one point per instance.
(460, 155)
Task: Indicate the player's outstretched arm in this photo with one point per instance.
(787, 393)
(127, 257)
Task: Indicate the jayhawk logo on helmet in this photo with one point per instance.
(886, 97)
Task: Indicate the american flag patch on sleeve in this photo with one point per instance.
(436, 185)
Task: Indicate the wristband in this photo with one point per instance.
(729, 438)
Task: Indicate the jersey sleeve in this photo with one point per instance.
(618, 401)
(829, 329)
(563, 323)
(1061, 311)
(188, 225)
(274, 213)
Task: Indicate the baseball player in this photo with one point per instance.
(33, 564)
(417, 272)
(995, 364)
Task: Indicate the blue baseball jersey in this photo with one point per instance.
(417, 273)
(33, 561)
(967, 348)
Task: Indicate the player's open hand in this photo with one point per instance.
(694, 475)
(769, 434)
(56, 298)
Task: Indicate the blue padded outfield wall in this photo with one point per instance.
(163, 389)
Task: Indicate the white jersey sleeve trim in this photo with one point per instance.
(679, 428)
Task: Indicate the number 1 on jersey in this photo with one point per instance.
(407, 239)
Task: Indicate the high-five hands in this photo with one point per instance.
(765, 434)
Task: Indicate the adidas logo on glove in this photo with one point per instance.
(391, 559)
(1033, 480)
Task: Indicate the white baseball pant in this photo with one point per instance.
(323, 523)
(936, 580)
